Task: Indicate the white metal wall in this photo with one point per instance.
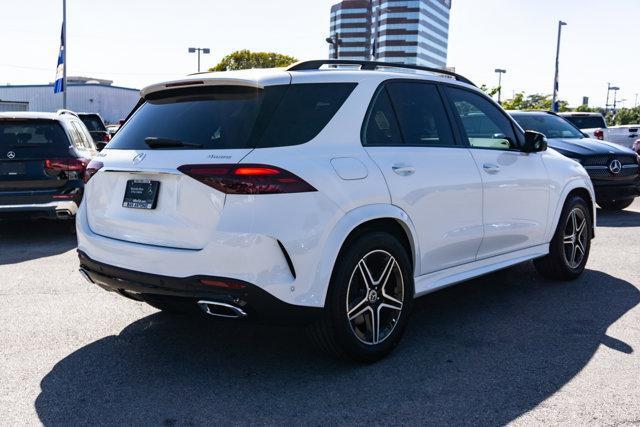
(111, 102)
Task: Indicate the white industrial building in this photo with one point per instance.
(84, 95)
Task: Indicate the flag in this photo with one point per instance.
(59, 84)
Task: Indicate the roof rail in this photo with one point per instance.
(62, 111)
(373, 65)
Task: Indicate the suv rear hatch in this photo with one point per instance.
(211, 126)
(32, 155)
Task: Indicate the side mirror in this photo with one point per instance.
(534, 142)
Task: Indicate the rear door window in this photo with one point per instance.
(230, 117)
(421, 114)
(381, 127)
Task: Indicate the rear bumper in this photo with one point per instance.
(62, 209)
(257, 303)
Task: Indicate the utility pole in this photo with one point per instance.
(500, 73)
(556, 83)
(65, 53)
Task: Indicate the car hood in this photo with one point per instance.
(587, 146)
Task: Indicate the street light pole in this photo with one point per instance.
(500, 73)
(335, 42)
(65, 53)
(203, 50)
(556, 86)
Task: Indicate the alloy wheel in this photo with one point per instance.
(575, 238)
(375, 297)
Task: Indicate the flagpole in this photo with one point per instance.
(66, 56)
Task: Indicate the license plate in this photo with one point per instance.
(141, 194)
(12, 169)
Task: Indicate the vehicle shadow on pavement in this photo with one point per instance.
(27, 240)
(625, 218)
(480, 353)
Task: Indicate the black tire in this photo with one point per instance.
(348, 292)
(558, 264)
(615, 205)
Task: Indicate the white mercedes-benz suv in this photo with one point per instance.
(331, 193)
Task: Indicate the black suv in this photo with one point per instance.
(614, 170)
(43, 160)
(99, 132)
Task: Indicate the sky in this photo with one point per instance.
(140, 42)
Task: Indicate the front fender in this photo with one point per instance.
(350, 222)
(577, 182)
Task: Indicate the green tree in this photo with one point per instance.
(532, 102)
(626, 116)
(490, 91)
(245, 59)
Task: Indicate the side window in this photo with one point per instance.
(382, 127)
(421, 114)
(484, 124)
(79, 137)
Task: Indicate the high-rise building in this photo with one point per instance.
(351, 25)
(404, 31)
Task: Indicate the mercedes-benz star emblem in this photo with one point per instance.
(615, 166)
(11, 155)
(140, 157)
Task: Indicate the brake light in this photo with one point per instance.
(106, 137)
(66, 165)
(247, 179)
(599, 134)
(92, 168)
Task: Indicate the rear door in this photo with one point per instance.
(25, 147)
(434, 180)
(516, 185)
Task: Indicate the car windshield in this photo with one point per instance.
(30, 132)
(550, 125)
(587, 122)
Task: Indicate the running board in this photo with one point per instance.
(432, 282)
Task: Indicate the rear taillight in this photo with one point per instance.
(247, 179)
(599, 134)
(93, 167)
(71, 164)
(106, 137)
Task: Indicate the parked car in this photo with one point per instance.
(614, 170)
(43, 157)
(594, 125)
(112, 129)
(96, 126)
(325, 197)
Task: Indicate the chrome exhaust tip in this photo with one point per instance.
(221, 309)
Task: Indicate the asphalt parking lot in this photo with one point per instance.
(505, 348)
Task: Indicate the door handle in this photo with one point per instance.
(491, 168)
(403, 170)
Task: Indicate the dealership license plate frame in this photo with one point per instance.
(141, 194)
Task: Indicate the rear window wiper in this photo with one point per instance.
(155, 142)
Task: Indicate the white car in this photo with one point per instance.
(594, 125)
(327, 196)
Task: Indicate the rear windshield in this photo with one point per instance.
(587, 122)
(228, 117)
(25, 133)
(93, 123)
